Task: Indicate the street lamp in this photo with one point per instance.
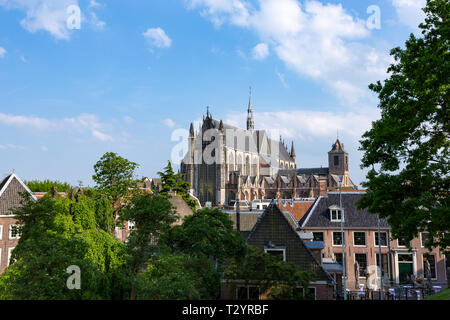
(344, 268)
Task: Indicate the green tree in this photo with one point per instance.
(207, 232)
(114, 178)
(277, 279)
(171, 182)
(407, 150)
(178, 277)
(56, 234)
(47, 185)
(152, 215)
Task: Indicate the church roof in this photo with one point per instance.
(313, 171)
(337, 147)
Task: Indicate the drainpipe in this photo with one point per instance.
(238, 215)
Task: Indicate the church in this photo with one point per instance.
(225, 163)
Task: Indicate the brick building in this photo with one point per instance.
(362, 247)
(10, 189)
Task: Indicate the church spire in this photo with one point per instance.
(250, 122)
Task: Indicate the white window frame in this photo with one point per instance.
(332, 239)
(337, 211)
(323, 235)
(400, 246)
(277, 249)
(435, 266)
(375, 239)
(1, 234)
(131, 224)
(9, 255)
(365, 239)
(421, 239)
(0, 257)
(367, 261)
(10, 232)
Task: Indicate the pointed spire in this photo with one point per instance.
(221, 125)
(191, 130)
(207, 112)
(250, 121)
(292, 150)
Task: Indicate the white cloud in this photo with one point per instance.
(312, 39)
(169, 122)
(2, 52)
(156, 37)
(260, 51)
(282, 79)
(47, 15)
(93, 4)
(84, 123)
(11, 146)
(410, 12)
(128, 120)
(44, 148)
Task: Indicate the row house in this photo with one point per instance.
(10, 189)
(399, 264)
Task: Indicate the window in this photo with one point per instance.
(383, 236)
(335, 215)
(401, 242)
(431, 258)
(14, 231)
(318, 236)
(423, 238)
(336, 160)
(278, 253)
(337, 238)
(287, 185)
(9, 256)
(384, 263)
(338, 257)
(311, 294)
(359, 238)
(1, 233)
(361, 258)
(247, 293)
(130, 225)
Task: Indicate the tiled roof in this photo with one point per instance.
(296, 208)
(10, 189)
(313, 171)
(319, 214)
(247, 220)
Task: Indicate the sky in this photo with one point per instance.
(79, 78)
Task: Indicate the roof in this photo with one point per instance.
(319, 214)
(40, 195)
(313, 171)
(180, 206)
(314, 245)
(337, 147)
(275, 226)
(247, 219)
(296, 208)
(10, 189)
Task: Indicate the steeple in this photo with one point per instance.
(292, 150)
(250, 122)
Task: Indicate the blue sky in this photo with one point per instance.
(136, 71)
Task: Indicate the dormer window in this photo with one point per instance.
(335, 214)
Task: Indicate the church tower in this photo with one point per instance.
(250, 121)
(338, 162)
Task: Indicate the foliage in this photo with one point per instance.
(177, 277)
(410, 143)
(152, 215)
(114, 177)
(47, 185)
(207, 232)
(171, 182)
(276, 278)
(443, 295)
(58, 233)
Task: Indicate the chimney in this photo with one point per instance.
(238, 215)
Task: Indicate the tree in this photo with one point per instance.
(114, 178)
(178, 277)
(171, 182)
(277, 279)
(55, 234)
(47, 185)
(207, 232)
(152, 215)
(407, 150)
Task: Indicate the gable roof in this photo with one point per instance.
(10, 189)
(319, 214)
(281, 229)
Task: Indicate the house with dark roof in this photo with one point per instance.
(10, 189)
(278, 233)
(362, 247)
